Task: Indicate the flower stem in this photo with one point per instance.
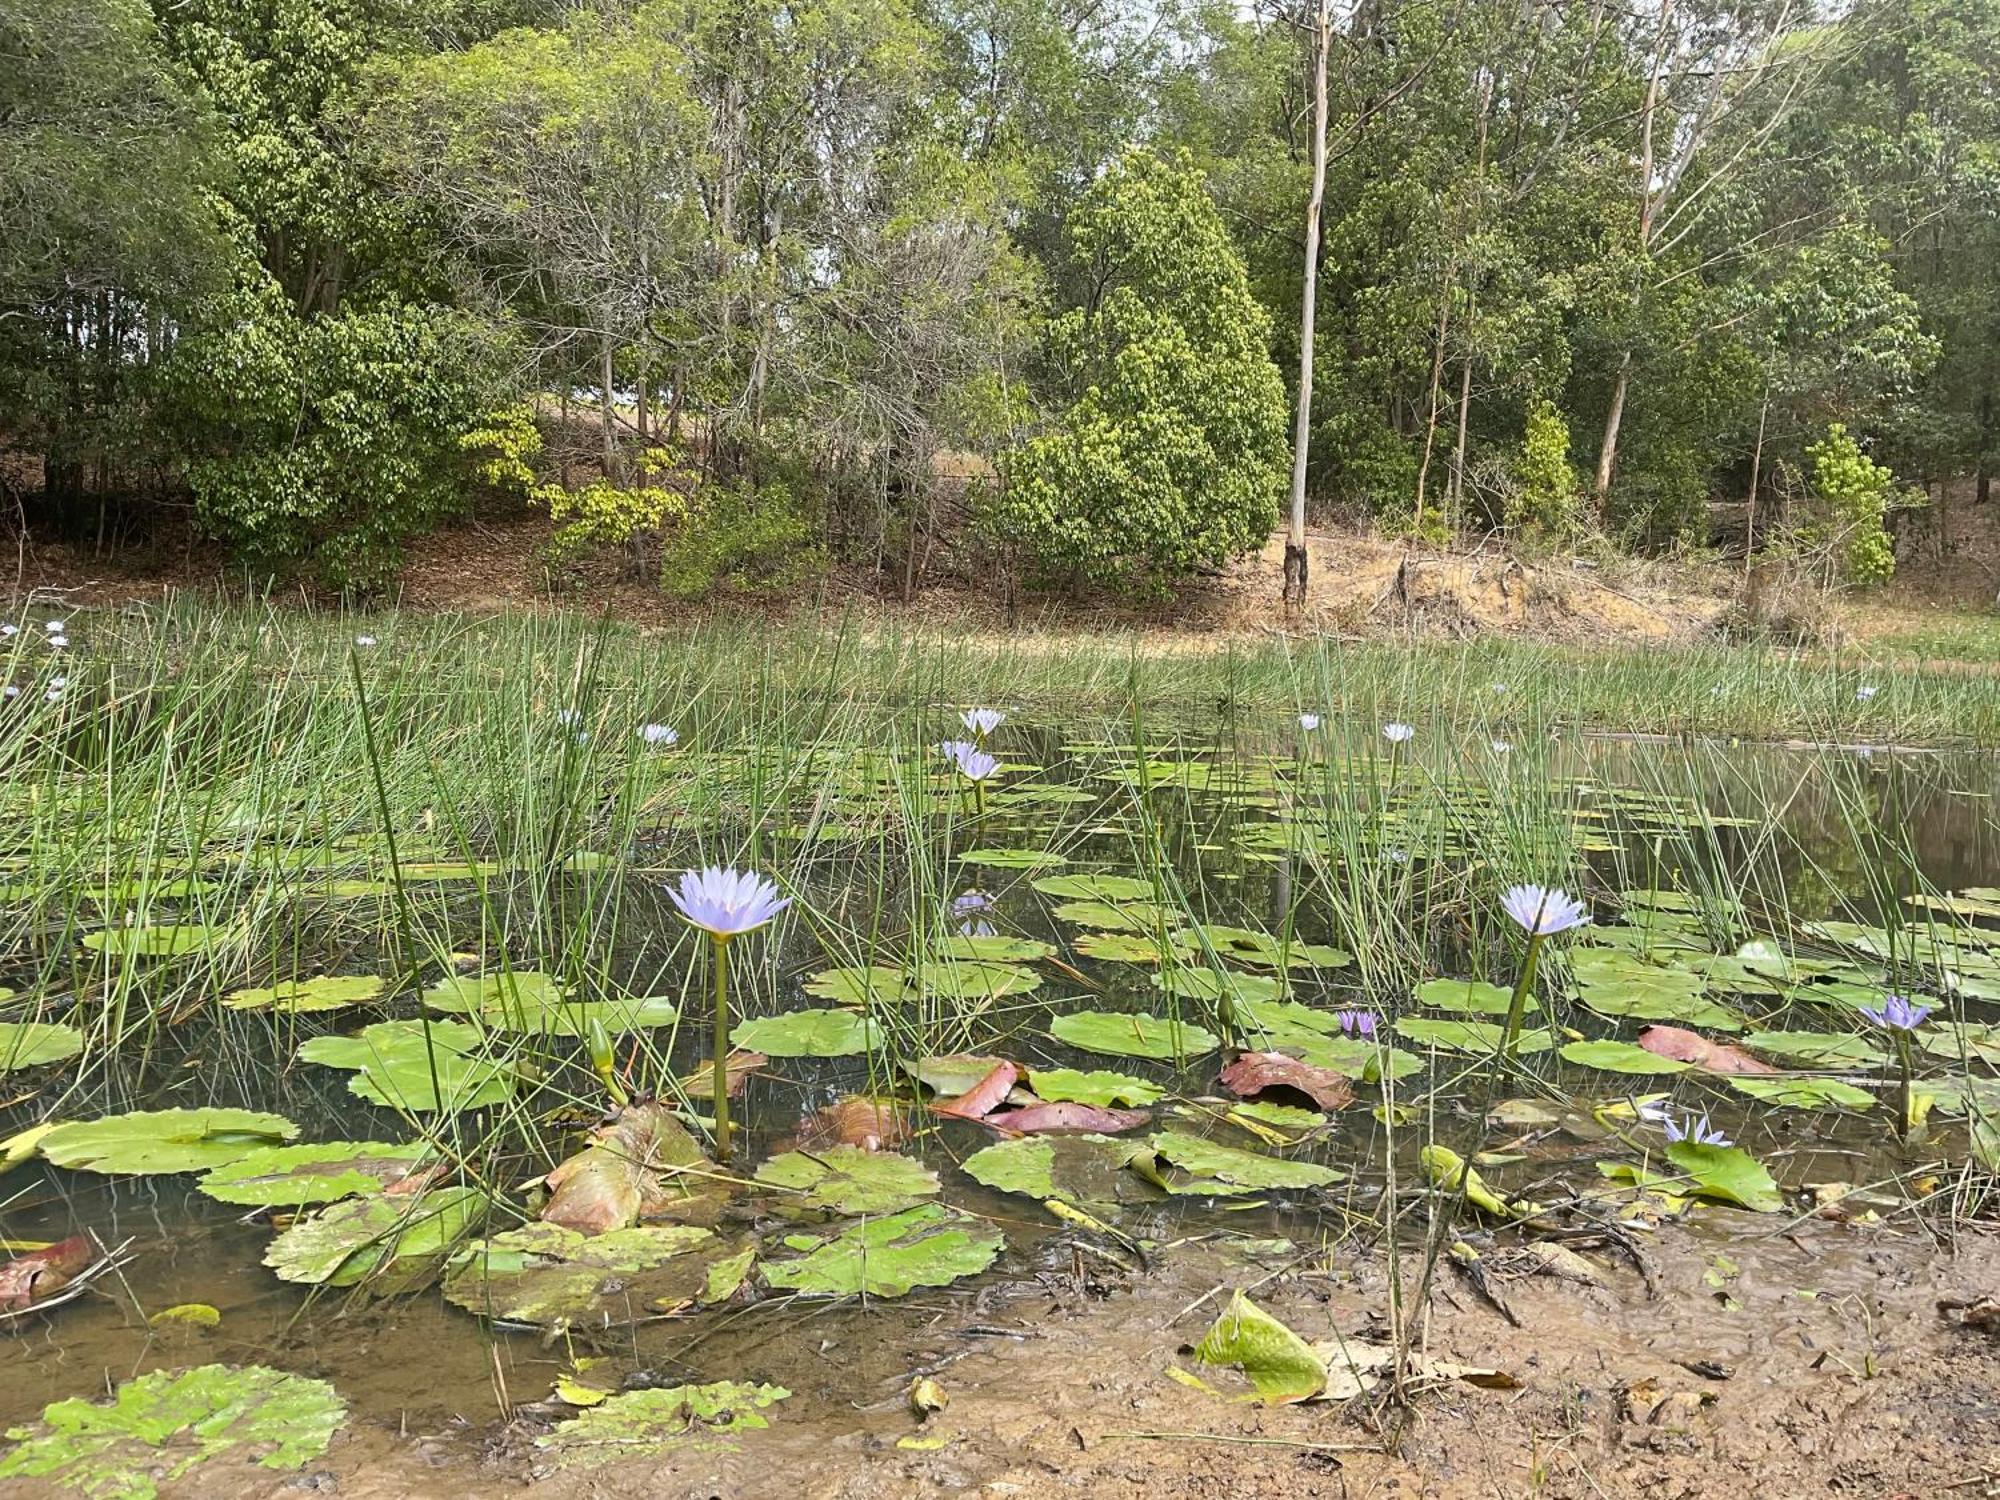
(1904, 1068)
(1517, 1008)
(721, 1082)
(979, 799)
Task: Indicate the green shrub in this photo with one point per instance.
(1544, 497)
(739, 535)
(1853, 492)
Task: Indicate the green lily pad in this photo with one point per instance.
(288, 1176)
(164, 1140)
(1812, 1049)
(173, 940)
(1860, 936)
(1216, 1170)
(529, 1001)
(418, 1067)
(972, 980)
(929, 1245)
(170, 1423)
(1128, 948)
(1095, 887)
(395, 1243)
(1619, 1057)
(301, 996)
(552, 1276)
(1468, 997)
(1102, 916)
(1214, 984)
(31, 1044)
(848, 1181)
(1469, 1036)
(810, 1033)
(648, 1423)
(450, 869)
(1664, 1002)
(992, 948)
(955, 1073)
(1100, 1087)
(1804, 1093)
(1250, 946)
(1954, 1039)
(1280, 1365)
(1729, 1173)
(1127, 1035)
(1083, 1169)
(1013, 859)
(865, 984)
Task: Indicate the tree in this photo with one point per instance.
(1167, 454)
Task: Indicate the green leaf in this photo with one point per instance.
(1086, 1169)
(1469, 1036)
(31, 1044)
(848, 1181)
(1095, 887)
(169, 941)
(552, 1276)
(302, 996)
(1280, 1365)
(287, 1176)
(1619, 1057)
(1128, 1035)
(1804, 1093)
(1250, 946)
(167, 1425)
(1128, 948)
(418, 1067)
(992, 948)
(1100, 1087)
(971, 980)
(164, 1140)
(396, 1243)
(1012, 859)
(1468, 997)
(535, 1003)
(955, 1073)
(810, 1033)
(1213, 984)
(930, 1245)
(866, 984)
(1137, 916)
(1215, 1169)
(1812, 1049)
(650, 1423)
(1729, 1173)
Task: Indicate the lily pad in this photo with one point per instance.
(1729, 1173)
(1087, 1169)
(1468, 1036)
(418, 1067)
(1095, 887)
(865, 984)
(971, 980)
(848, 1181)
(172, 940)
(1279, 1364)
(1250, 946)
(1013, 859)
(1468, 997)
(553, 1277)
(1812, 1049)
(529, 1001)
(396, 1243)
(1215, 984)
(1620, 1057)
(951, 1074)
(165, 1425)
(810, 1033)
(993, 948)
(31, 1044)
(1667, 1001)
(1128, 1035)
(929, 1245)
(1805, 1093)
(164, 1140)
(1135, 916)
(1100, 1087)
(647, 1423)
(288, 1176)
(1215, 1169)
(1128, 948)
(303, 996)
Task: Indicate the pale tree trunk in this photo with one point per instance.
(605, 377)
(1437, 396)
(1756, 477)
(1296, 557)
(1607, 451)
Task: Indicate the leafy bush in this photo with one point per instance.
(1543, 500)
(1853, 493)
(1170, 454)
(758, 539)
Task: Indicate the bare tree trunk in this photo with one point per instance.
(1455, 497)
(1437, 394)
(1607, 452)
(1756, 478)
(604, 412)
(1296, 557)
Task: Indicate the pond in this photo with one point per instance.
(1212, 982)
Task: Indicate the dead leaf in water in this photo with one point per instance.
(857, 1120)
(1254, 1072)
(1691, 1047)
(979, 1101)
(621, 1176)
(31, 1278)
(737, 1068)
(1086, 1119)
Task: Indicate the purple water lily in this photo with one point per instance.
(728, 903)
(982, 721)
(1360, 1023)
(1898, 1013)
(662, 736)
(1542, 911)
(1696, 1130)
(973, 763)
(1308, 722)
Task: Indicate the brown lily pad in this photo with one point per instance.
(1255, 1072)
(858, 1120)
(40, 1274)
(637, 1166)
(983, 1097)
(1698, 1051)
(1057, 1119)
(739, 1065)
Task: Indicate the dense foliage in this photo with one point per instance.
(890, 282)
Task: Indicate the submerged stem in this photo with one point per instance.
(1517, 1008)
(721, 1078)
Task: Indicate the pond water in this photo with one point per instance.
(1239, 895)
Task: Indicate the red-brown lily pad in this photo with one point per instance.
(983, 1097)
(1691, 1047)
(40, 1274)
(1254, 1072)
(1057, 1119)
(857, 1120)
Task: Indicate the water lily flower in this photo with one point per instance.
(971, 901)
(1864, 694)
(973, 763)
(55, 627)
(1500, 687)
(57, 642)
(1696, 1130)
(728, 903)
(981, 721)
(1502, 747)
(58, 683)
(1396, 734)
(10, 630)
(1542, 912)
(364, 640)
(1308, 722)
(1360, 1023)
(13, 690)
(567, 717)
(665, 736)
(1897, 1013)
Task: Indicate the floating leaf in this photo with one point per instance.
(647, 1423)
(1469, 1036)
(1096, 1087)
(930, 1245)
(1124, 1035)
(527, 1000)
(642, 1163)
(164, 1140)
(1667, 1002)
(1729, 1173)
(552, 1277)
(1077, 1168)
(1805, 1093)
(287, 1176)
(1214, 985)
(1254, 1072)
(1250, 946)
(1012, 859)
(38, 1275)
(951, 1074)
(1137, 916)
(866, 984)
(1056, 1119)
(166, 1425)
(1216, 1169)
(169, 941)
(972, 980)
(1620, 1057)
(417, 1066)
(1812, 1049)
(1095, 887)
(810, 1033)
(983, 1097)
(396, 1242)
(304, 996)
(848, 1181)
(32, 1044)
(1129, 948)
(994, 948)
(1685, 1046)
(858, 1120)
(1468, 997)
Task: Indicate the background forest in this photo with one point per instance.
(743, 289)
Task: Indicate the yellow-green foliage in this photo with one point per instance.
(603, 514)
(1854, 490)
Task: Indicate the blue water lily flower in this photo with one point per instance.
(973, 763)
(1543, 912)
(1696, 1130)
(1397, 734)
(663, 736)
(1309, 722)
(982, 721)
(728, 903)
(1897, 1013)
(1357, 1022)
